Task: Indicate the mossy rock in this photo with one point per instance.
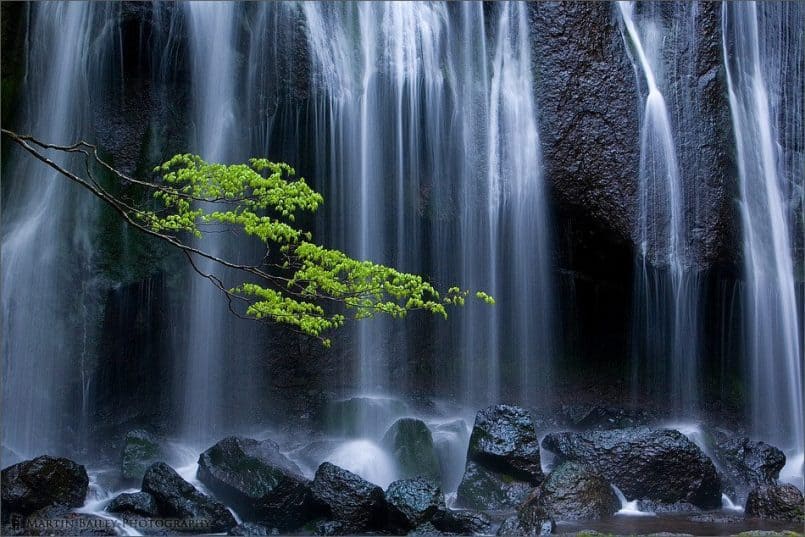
(411, 445)
(141, 449)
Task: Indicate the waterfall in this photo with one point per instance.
(426, 143)
(48, 282)
(666, 320)
(518, 220)
(211, 30)
(763, 51)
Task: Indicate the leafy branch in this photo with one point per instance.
(311, 288)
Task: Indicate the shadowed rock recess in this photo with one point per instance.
(624, 179)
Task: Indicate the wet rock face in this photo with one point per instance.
(660, 465)
(748, 463)
(31, 485)
(588, 105)
(589, 101)
(141, 449)
(573, 491)
(779, 502)
(176, 498)
(258, 481)
(412, 502)
(348, 499)
(411, 444)
(503, 461)
(461, 522)
(135, 503)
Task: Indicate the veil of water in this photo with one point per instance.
(211, 32)
(47, 273)
(763, 50)
(420, 111)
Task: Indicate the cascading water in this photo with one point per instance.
(666, 323)
(211, 34)
(763, 51)
(416, 114)
(517, 215)
(377, 66)
(47, 276)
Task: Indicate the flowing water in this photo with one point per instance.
(419, 111)
(211, 28)
(667, 318)
(763, 50)
(48, 278)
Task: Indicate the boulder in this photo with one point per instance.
(176, 498)
(60, 520)
(348, 499)
(258, 481)
(411, 445)
(748, 463)
(660, 465)
(136, 503)
(483, 489)
(412, 502)
(461, 522)
(141, 449)
(503, 461)
(778, 502)
(31, 485)
(250, 528)
(573, 491)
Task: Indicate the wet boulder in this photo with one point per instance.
(139, 504)
(348, 499)
(141, 449)
(484, 489)
(176, 498)
(573, 491)
(461, 522)
(258, 481)
(31, 485)
(777, 502)
(532, 519)
(503, 461)
(747, 463)
(412, 502)
(411, 444)
(660, 465)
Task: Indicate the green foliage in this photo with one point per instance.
(263, 199)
